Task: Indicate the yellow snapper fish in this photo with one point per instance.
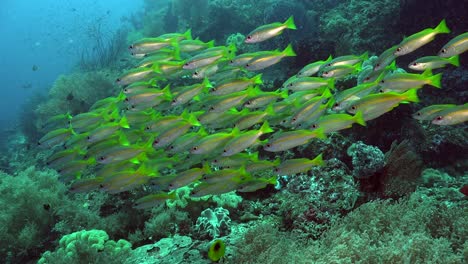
(452, 116)
(236, 85)
(86, 185)
(417, 40)
(336, 122)
(105, 131)
(194, 45)
(347, 60)
(226, 175)
(375, 105)
(148, 45)
(295, 166)
(211, 143)
(456, 46)
(312, 68)
(257, 184)
(385, 59)
(153, 200)
(344, 98)
(308, 108)
(248, 119)
(282, 141)
(433, 62)
(401, 82)
(191, 92)
(265, 98)
(135, 75)
(242, 59)
(55, 137)
(217, 188)
(340, 71)
(204, 59)
(185, 142)
(265, 32)
(269, 58)
(430, 112)
(308, 83)
(244, 140)
(187, 177)
(208, 70)
(172, 133)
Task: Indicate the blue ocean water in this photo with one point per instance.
(49, 35)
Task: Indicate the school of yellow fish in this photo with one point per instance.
(163, 134)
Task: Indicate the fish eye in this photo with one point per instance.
(231, 61)
(367, 78)
(195, 148)
(125, 90)
(276, 170)
(294, 119)
(247, 65)
(314, 126)
(69, 121)
(118, 80)
(88, 137)
(381, 91)
(325, 73)
(126, 100)
(215, 161)
(382, 81)
(212, 108)
(415, 64)
(224, 150)
(156, 141)
(174, 101)
(171, 147)
(102, 158)
(130, 47)
(439, 118)
(195, 73)
(353, 107)
(133, 106)
(268, 145)
(249, 37)
(443, 50)
(147, 127)
(299, 125)
(398, 49)
(337, 104)
(418, 114)
(377, 65)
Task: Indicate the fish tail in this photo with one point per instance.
(442, 27)
(265, 128)
(257, 79)
(326, 93)
(210, 44)
(331, 83)
(455, 60)
(364, 56)
(288, 51)
(289, 23)
(167, 93)
(188, 34)
(359, 118)
(435, 80)
(124, 122)
(176, 52)
(319, 160)
(269, 110)
(318, 133)
(411, 96)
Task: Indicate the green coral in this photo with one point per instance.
(85, 246)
